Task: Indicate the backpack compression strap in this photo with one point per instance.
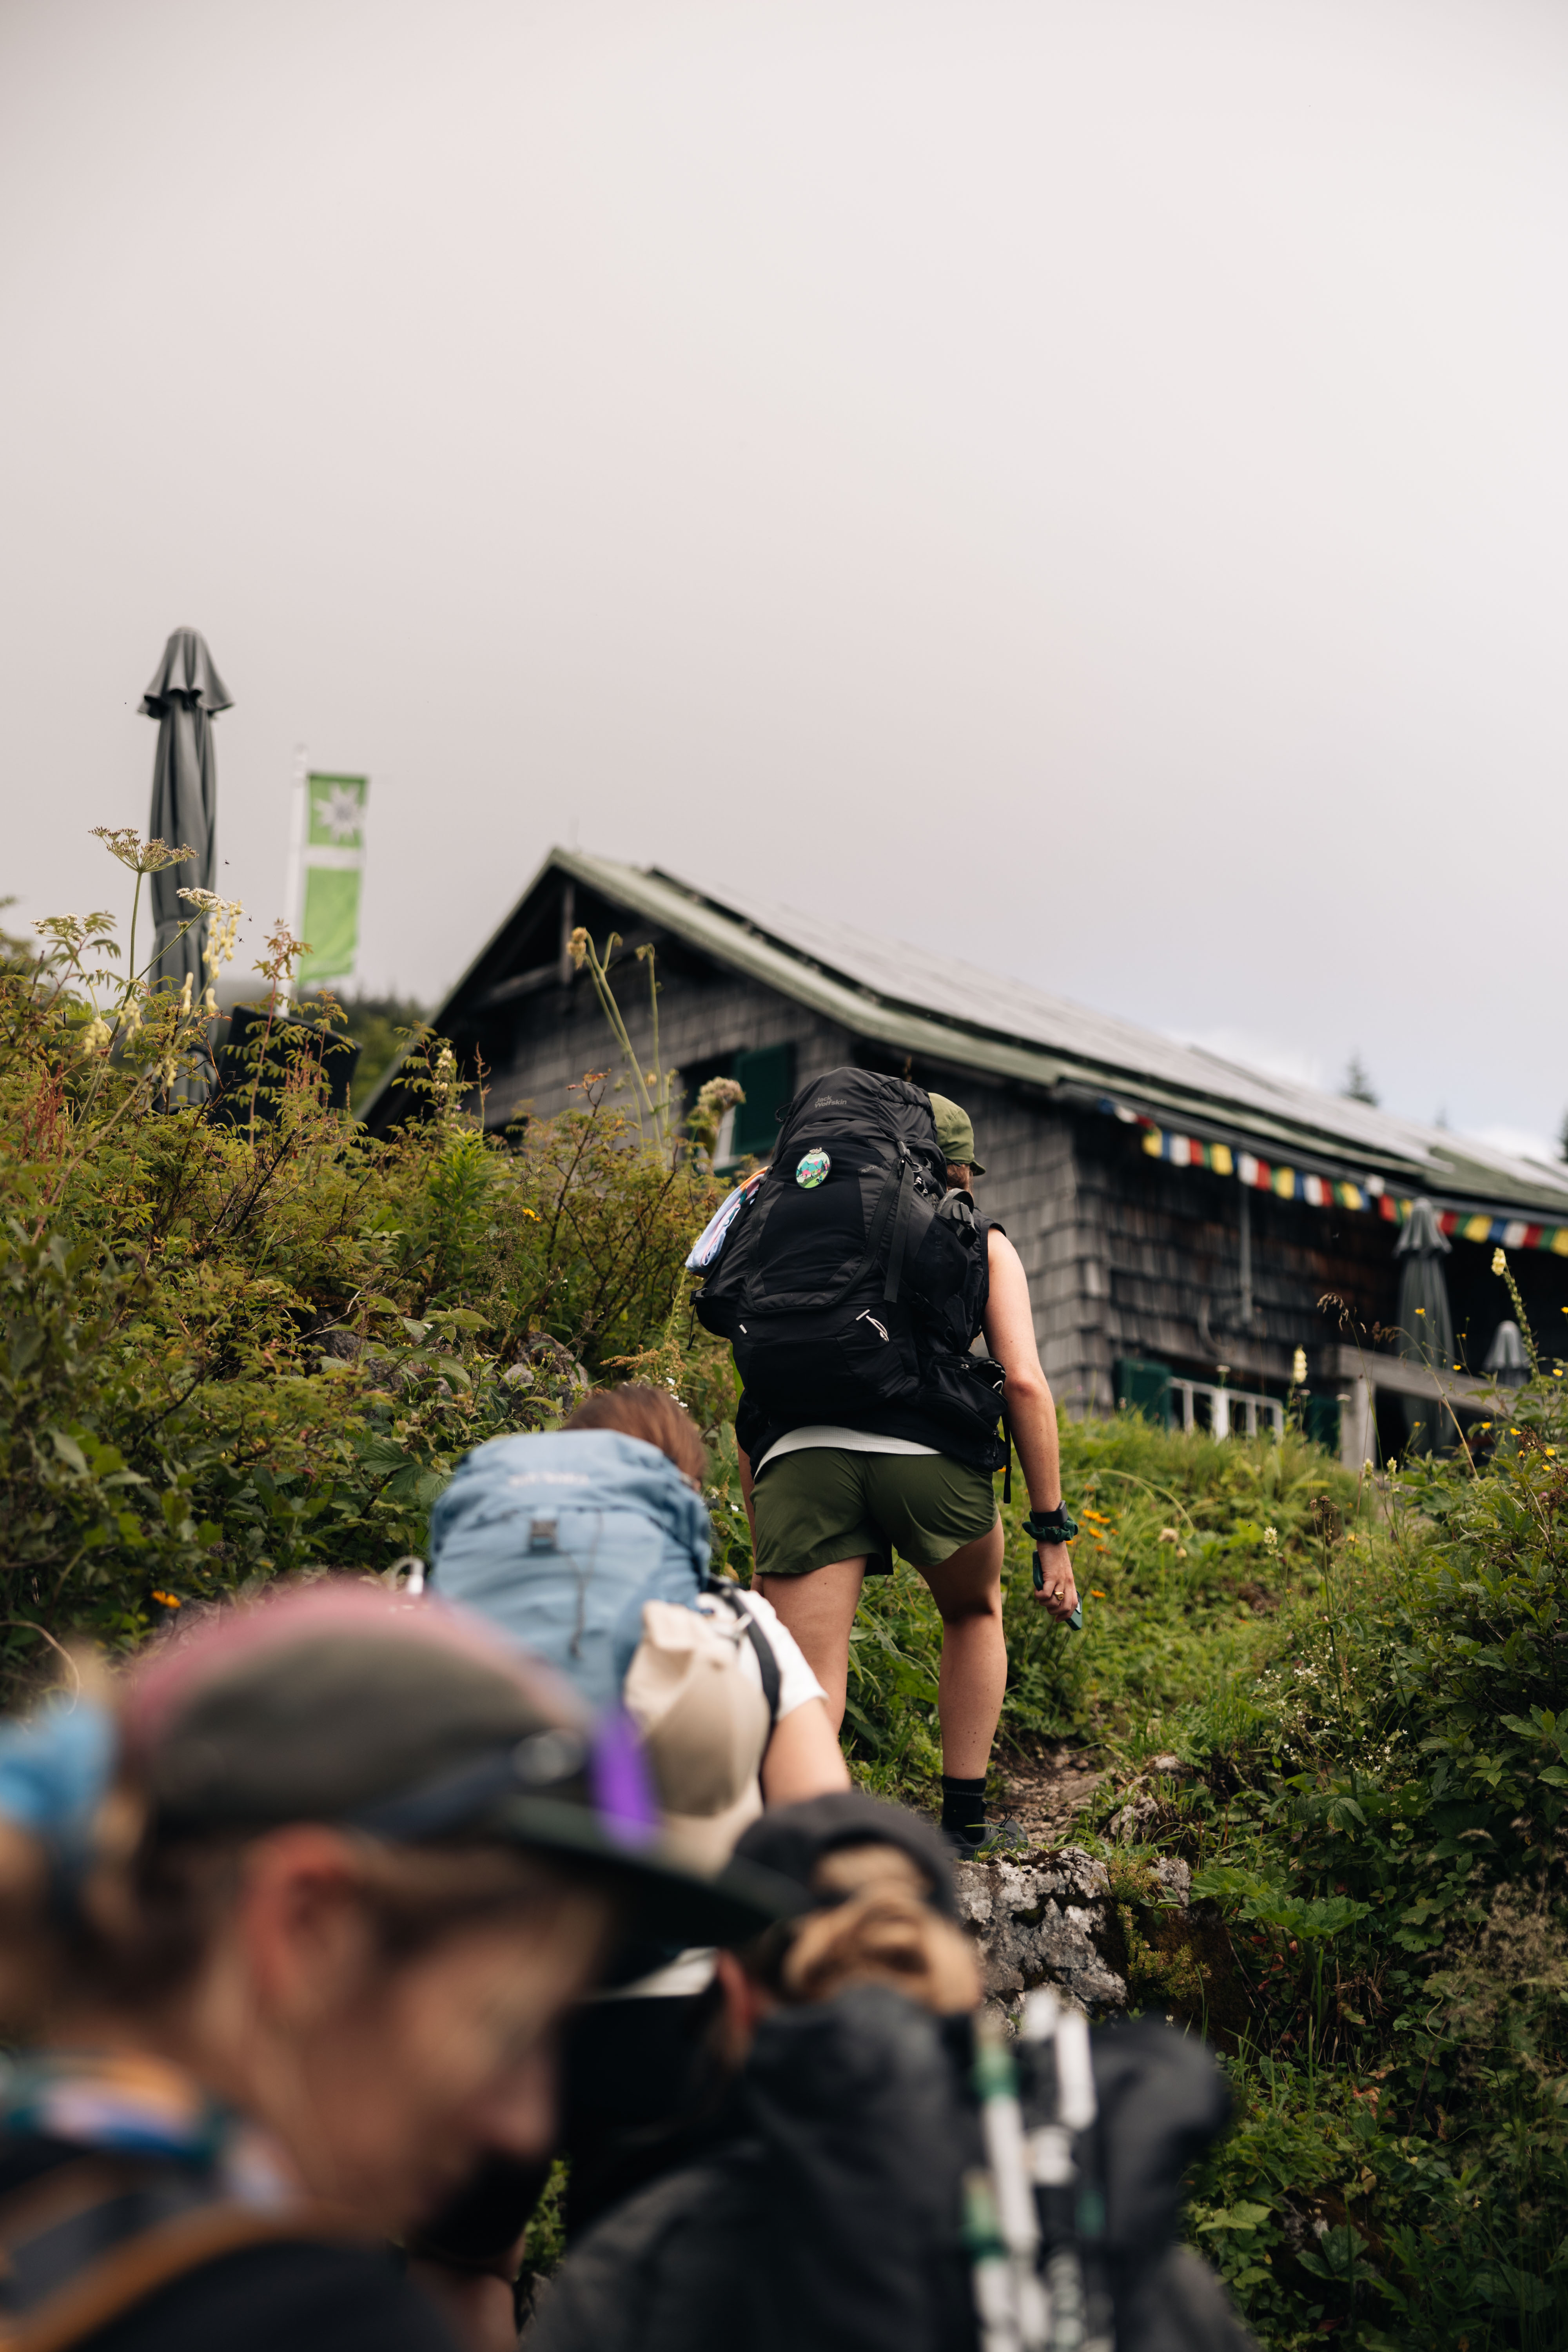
(767, 1664)
(906, 1200)
(155, 2258)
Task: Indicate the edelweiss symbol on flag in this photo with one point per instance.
(337, 813)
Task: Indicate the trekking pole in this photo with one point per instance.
(1073, 2208)
(990, 2268)
(1009, 2296)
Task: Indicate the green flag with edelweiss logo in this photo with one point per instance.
(334, 878)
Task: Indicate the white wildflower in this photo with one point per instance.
(1299, 1368)
(222, 916)
(1500, 1263)
(95, 1037)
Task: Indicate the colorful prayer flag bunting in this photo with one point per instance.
(1340, 1192)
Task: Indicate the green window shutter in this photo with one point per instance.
(1144, 1389)
(767, 1079)
(1321, 1420)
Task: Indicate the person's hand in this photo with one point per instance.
(1058, 1593)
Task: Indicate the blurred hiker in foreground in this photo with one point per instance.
(293, 1920)
(886, 2173)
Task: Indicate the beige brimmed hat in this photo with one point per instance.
(704, 1726)
(954, 1134)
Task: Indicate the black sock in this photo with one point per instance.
(963, 1806)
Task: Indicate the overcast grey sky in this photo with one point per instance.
(1084, 485)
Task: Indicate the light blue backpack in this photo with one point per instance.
(559, 1538)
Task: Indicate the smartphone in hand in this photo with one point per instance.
(1073, 1623)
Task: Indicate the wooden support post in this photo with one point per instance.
(1356, 1422)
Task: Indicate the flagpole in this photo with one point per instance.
(294, 880)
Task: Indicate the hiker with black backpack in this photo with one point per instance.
(852, 1277)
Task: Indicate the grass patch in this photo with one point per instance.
(1191, 1547)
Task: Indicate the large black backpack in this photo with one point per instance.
(852, 1278)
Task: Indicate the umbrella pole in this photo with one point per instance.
(293, 912)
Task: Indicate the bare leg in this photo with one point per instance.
(967, 1590)
(819, 1609)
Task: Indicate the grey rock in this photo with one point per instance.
(346, 1346)
(1130, 1824)
(1175, 1879)
(1042, 1923)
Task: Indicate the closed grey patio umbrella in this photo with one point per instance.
(183, 697)
(1425, 1318)
(1507, 1358)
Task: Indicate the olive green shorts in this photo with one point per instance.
(825, 1503)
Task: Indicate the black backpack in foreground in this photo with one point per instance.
(852, 1278)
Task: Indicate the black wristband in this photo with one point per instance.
(1056, 1526)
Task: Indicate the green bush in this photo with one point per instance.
(1415, 1778)
(237, 1351)
(1365, 1688)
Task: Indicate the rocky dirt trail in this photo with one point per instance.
(1107, 1932)
(1045, 1790)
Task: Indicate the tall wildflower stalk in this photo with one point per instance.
(653, 1088)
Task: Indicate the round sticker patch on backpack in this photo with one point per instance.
(812, 1169)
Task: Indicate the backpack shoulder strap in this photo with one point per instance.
(985, 1227)
(767, 1664)
(154, 2257)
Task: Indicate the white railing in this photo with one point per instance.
(1228, 1409)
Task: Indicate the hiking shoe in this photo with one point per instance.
(996, 1838)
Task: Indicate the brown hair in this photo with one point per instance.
(653, 1415)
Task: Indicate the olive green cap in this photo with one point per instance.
(954, 1134)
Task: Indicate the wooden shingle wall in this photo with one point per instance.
(1171, 1239)
(703, 1016)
